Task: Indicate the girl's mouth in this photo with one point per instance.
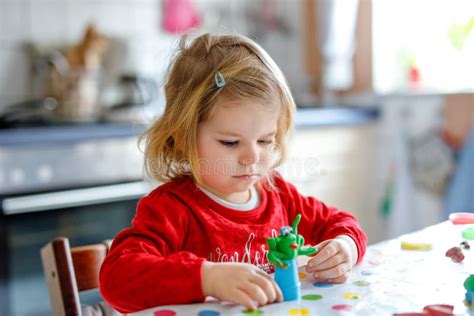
(250, 176)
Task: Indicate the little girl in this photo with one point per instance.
(203, 232)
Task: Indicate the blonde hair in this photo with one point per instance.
(190, 90)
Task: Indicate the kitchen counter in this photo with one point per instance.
(304, 118)
(68, 133)
(323, 117)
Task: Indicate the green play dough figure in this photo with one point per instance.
(469, 286)
(288, 245)
(469, 283)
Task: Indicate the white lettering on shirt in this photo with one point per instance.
(257, 258)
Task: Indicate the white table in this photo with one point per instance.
(389, 280)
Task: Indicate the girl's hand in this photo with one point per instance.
(332, 262)
(239, 282)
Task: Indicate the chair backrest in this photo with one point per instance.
(69, 271)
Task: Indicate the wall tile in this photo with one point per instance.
(14, 20)
(114, 18)
(146, 18)
(48, 21)
(14, 75)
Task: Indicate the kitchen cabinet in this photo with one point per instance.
(338, 165)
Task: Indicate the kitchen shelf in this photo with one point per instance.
(308, 117)
(68, 133)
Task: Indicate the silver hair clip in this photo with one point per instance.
(219, 79)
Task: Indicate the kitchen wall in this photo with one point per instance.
(59, 22)
(138, 23)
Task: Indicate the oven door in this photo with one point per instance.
(28, 222)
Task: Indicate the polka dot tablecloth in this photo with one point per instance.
(390, 280)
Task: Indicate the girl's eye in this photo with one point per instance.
(228, 143)
(265, 142)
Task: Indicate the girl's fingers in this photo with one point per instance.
(332, 273)
(325, 252)
(266, 287)
(279, 294)
(255, 292)
(269, 286)
(241, 297)
(254, 288)
(332, 262)
(341, 279)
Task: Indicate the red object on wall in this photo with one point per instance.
(179, 16)
(414, 77)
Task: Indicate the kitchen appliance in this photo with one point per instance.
(80, 181)
(132, 98)
(34, 112)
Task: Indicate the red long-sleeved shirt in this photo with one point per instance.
(158, 260)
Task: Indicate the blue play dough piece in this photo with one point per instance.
(469, 297)
(322, 284)
(288, 280)
(208, 313)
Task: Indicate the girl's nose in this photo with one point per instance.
(249, 156)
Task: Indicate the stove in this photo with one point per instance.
(60, 158)
(80, 181)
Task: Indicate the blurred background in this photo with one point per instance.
(385, 99)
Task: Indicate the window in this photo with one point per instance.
(432, 39)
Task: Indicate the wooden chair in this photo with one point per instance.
(69, 271)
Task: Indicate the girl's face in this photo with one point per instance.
(235, 147)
